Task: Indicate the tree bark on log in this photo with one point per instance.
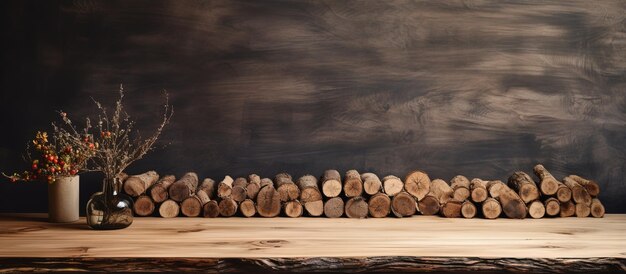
(441, 190)
(597, 209)
(268, 200)
(143, 206)
(310, 195)
(491, 208)
(536, 209)
(524, 185)
(417, 183)
(568, 209)
(293, 209)
(192, 206)
(208, 188)
(478, 188)
(247, 208)
(228, 207)
(334, 207)
(548, 184)
(138, 184)
(211, 209)
(331, 183)
(403, 204)
(169, 209)
(353, 186)
(379, 205)
(159, 191)
(451, 209)
(254, 185)
(392, 185)
(184, 187)
(468, 210)
(429, 205)
(553, 207)
(225, 187)
(287, 189)
(512, 205)
(591, 186)
(461, 186)
(579, 193)
(266, 182)
(239, 191)
(583, 210)
(356, 207)
(371, 183)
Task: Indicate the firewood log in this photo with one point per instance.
(451, 209)
(356, 207)
(192, 206)
(266, 182)
(247, 208)
(310, 195)
(208, 187)
(143, 206)
(293, 209)
(331, 183)
(184, 187)
(583, 210)
(512, 205)
(239, 192)
(478, 188)
(429, 205)
(417, 183)
(491, 208)
(597, 209)
(579, 193)
(403, 204)
(548, 184)
(138, 184)
(352, 186)
(563, 193)
(122, 177)
(225, 187)
(524, 185)
(211, 209)
(169, 209)
(461, 186)
(468, 210)
(268, 200)
(334, 207)
(536, 209)
(568, 209)
(441, 190)
(392, 185)
(159, 191)
(553, 207)
(228, 207)
(379, 205)
(591, 186)
(371, 183)
(254, 185)
(287, 189)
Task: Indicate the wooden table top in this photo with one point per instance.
(259, 244)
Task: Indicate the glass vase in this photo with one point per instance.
(110, 209)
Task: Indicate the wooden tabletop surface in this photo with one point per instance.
(29, 235)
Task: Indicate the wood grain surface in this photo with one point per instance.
(479, 88)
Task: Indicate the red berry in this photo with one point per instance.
(34, 166)
(50, 158)
(52, 169)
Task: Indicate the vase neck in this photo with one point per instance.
(111, 186)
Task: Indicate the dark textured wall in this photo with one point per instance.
(480, 88)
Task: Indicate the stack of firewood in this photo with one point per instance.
(361, 195)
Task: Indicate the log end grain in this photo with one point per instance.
(461, 193)
(392, 185)
(211, 209)
(529, 192)
(479, 195)
(564, 194)
(491, 208)
(334, 207)
(356, 207)
(451, 209)
(468, 210)
(169, 209)
(597, 209)
(239, 193)
(288, 192)
(514, 209)
(403, 204)
(293, 209)
(379, 205)
(429, 205)
(568, 209)
(417, 183)
(315, 208)
(331, 188)
(228, 207)
(536, 210)
(553, 206)
(143, 206)
(268, 202)
(191, 207)
(582, 210)
(247, 208)
(310, 195)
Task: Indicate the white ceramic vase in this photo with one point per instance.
(63, 200)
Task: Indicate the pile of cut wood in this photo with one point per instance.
(361, 195)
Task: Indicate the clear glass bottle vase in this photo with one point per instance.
(110, 209)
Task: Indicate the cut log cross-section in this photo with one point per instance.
(138, 184)
(451, 209)
(583, 210)
(592, 187)
(211, 209)
(310, 195)
(579, 193)
(379, 205)
(563, 193)
(228, 207)
(536, 209)
(392, 185)
(403, 204)
(287, 189)
(553, 207)
(293, 209)
(331, 183)
(491, 208)
(512, 205)
(417, 183)
(524, 185)
(461, 186)
(225, 187)
(169, 209)
(568, 209)
(429, 205)
(159, 191)
(468, 210)
(441, 190)
(193, 205)
(478, 190)
(597, 209)
(334, 207)
(247, 208)
(356, 207)
(254, 185)
(239, 190)
(268, 200)
(353, 185)
(143, 206)
(184, 187)
(371, 183)
(547, 184)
